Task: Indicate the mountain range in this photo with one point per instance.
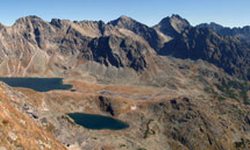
(178, 86)
(63, 45)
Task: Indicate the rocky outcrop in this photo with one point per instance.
(105, 105)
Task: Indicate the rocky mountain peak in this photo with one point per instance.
(123, 21)
(176, 17)
(28, 19)
(124, 17)
(173, 25)
(60, 23)
(213, 26)
(147, 33)
(56, 22)
(241, 32)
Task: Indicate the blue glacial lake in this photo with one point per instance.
(37, 84)
(98, 122)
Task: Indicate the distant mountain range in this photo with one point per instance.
(34, 46)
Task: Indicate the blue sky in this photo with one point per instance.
(226, 12)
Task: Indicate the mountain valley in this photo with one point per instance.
(177, 86)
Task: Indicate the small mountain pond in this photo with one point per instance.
(98, 122)
(37, 84)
